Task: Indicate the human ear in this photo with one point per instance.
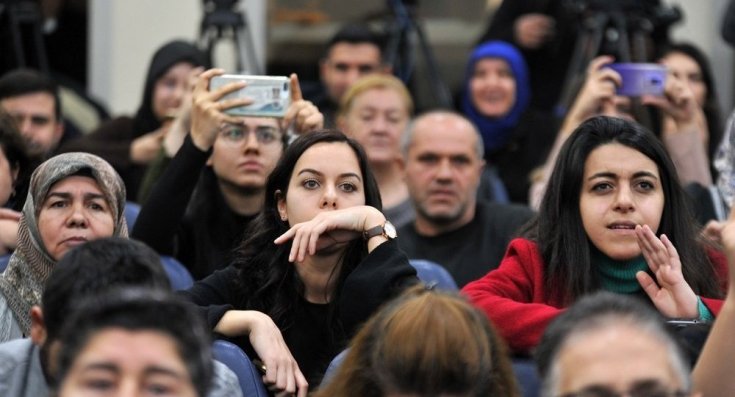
(38, 326)
(281, 204)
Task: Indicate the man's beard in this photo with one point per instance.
(442, 219)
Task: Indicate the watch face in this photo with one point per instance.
(390, 230)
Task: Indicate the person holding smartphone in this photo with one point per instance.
(215, 184)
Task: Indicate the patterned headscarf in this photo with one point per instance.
(30, 265)
(496, 131)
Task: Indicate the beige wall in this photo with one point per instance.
(125, 34)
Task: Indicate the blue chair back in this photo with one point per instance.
(131, 213)
(178, 275)
(434, 274)
(334, 366)
(234, 358)
(492, 187)
(4, 262)
(524, 370)
(527, 377)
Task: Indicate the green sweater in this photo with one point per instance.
(619, 277)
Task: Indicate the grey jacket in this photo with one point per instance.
(21, 374)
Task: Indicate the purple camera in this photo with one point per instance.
(640, 78)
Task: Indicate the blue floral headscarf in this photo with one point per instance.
(497, 130)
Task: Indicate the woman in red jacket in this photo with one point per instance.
(614, 218)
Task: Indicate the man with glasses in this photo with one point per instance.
(214, 186)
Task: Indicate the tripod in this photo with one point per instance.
(601, 28)
(221, 20)
(400, 53)
(27, 47)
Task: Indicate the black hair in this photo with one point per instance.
(23, 81)
(137, 309)
(599, 311)
(558, 228)
(355, 33)
(273, 285)
(711, 106)
(14, 148)
(97, 266)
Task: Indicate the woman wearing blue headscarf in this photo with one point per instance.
(496, 99)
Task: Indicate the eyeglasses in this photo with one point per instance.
(642, 389)
(235, 134)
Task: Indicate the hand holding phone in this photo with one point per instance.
(270, 94)
(640, 79)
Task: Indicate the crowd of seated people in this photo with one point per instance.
(572, 240)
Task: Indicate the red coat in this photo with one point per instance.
(512, 295)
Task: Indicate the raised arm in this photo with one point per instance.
(598, 91)
(684, 130)
(161, 215)
(712, 375)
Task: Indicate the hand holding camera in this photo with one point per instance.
(680, 108)
(302, 114)
(272, 96)
(640, 79)
(598, 90)
(209, 108)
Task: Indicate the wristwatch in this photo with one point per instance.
(386, 230)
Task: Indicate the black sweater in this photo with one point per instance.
(312, 338)
(188, 218)
(474, 249)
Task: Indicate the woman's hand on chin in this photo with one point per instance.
(329, 228)
(670, 293)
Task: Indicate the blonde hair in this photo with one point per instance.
(429, 343)
(375, 81)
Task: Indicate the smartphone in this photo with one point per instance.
(683, 323)
(271, 94)
(640, 78)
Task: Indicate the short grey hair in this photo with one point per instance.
(597, 312)
(407, 137)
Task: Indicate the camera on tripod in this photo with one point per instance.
(222, 20)
(626, 29)
(652, 9)
(635, 16)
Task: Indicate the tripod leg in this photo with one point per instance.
(206, 41)
(245, 45)
(623, 44)
(586, 48)
(440, 88)
(395, 50)
(639, 41)
(15, 32)
(26, 17)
